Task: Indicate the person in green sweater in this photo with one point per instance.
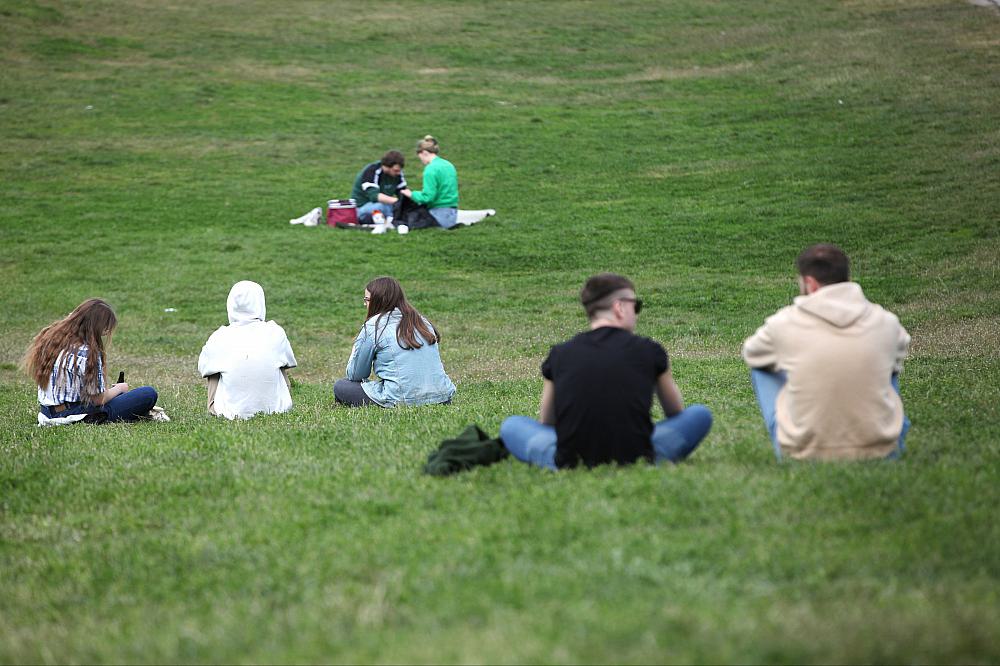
(440, 186)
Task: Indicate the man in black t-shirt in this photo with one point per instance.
(598, 389)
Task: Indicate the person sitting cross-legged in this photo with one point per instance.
(598, 390)
(67, 362)
(440, 184)
(378, 186)
(246, 363)
(396, 357)
(825, 369)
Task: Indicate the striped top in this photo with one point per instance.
(64, 385)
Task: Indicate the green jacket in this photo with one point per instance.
(472, 448)
(371, 181)
(440, 185)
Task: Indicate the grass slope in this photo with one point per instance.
(152, 153)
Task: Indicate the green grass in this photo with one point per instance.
(152, 154)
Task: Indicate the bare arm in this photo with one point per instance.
(668, 394)
(547, 408)
(386, 199)
(110, 394)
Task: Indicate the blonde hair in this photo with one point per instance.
(428, 143)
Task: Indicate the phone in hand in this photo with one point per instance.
(121, 377)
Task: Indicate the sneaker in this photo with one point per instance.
(157, 414)
(378, 228)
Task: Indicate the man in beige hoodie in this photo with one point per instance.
(825, 369)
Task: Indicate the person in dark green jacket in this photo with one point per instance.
(378, 185)
(440, 186)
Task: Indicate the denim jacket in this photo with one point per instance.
(403, 376)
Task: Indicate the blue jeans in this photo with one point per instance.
(674, 438)
(766, 386)
(130, 406)
(446, 217)
(365, 212)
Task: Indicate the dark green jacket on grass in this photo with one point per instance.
(473, 448)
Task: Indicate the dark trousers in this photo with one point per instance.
(126, 407)
(351, 394)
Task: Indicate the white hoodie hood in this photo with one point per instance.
(840, 304)
(246, 303)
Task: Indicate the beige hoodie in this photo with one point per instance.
(839, 352)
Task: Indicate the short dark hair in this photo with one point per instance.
(597, 289)
(826, 262)
(392, 158)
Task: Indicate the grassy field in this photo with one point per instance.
(152, 154)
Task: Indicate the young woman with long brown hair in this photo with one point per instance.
(402, 348)
(67, 361)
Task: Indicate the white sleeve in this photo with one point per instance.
(212, 358)
(286, 358)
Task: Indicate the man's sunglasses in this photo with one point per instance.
(635, 301)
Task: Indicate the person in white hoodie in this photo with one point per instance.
(825, 369)
(246, 362)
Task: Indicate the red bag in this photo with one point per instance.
(342, 213)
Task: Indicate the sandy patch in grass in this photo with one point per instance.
(657, 73)
(967, 338)
(257, 70)
(467, 365)
(948, 324)
(988, 44)
(703, 167)
(992, 4)
(493, 368)
(647, 75)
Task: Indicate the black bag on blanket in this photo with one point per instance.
(413, 215)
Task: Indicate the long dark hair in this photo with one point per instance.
(386, 295)
(86, 325)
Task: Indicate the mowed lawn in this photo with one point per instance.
(151, 153)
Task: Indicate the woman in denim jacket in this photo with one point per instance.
(402, 347)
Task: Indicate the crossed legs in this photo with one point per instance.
(673, 439)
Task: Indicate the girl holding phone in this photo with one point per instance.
(67, 361)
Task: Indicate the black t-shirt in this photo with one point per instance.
(604, 381)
